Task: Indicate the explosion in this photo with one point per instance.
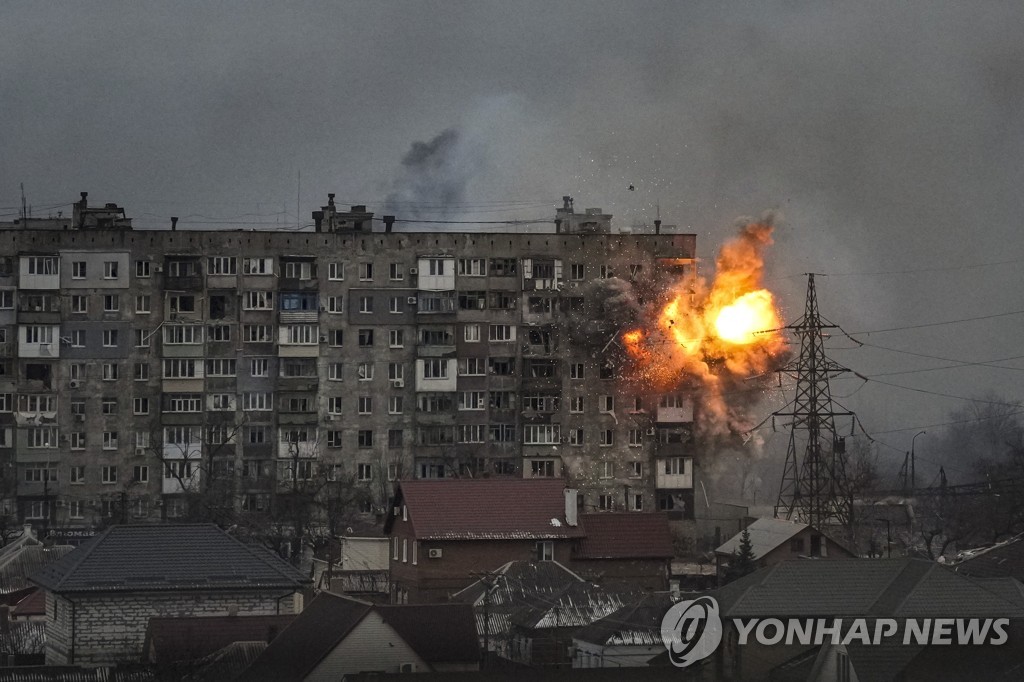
(713, 338)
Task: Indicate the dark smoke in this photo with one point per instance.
(433, 178)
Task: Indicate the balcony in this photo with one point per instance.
(674, 473)
(183, 283)
(290, 316)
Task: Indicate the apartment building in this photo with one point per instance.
(138, 368)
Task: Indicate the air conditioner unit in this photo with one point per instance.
(140, 452)
(323, 338)
(158, 268)
(74, 383)
(414, 271)
(79, 417)
(411, 300)
(434, 553)
(651, 431)
(398, 383)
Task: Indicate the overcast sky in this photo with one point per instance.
(888, 134)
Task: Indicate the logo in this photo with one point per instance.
(691, 630)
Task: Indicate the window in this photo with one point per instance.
(435, 266)
(541, 434)
(607, 437)
(46, 265)
(636, 502)
(256, 435)
(258, 300)
(258, 266)
(472, 366)
(37, 509)
(42, 437)
(111, 303)
(111, 371)
(577, 271)
(141, 371)
(365, 337)
(142, 268)
(472, 433)
(471, 333)
(545, 551)
(607, 470)
(542, 468)
(675, 466)
(366, 304)
(335, 371)
(365, 405)
(364, 472)
(336, 271)
(395, 304)
(220, 333)
(334, 403)
(396, 371)
(606, 403)
(181, 303)
(365, 371)
(395, 438)
(262, 402)
(604, 272)
(396, 272)
(140, 474)
(184, 402)
(142, 304)
(180, 368)
(635, 438)
(301, 334)
(576, 370)
(257, 333)
(473, 267)
(108, 406)
(502, 433)
(183, 334)
(472, 300)
(336, 338)
(110, 269)
(302, 270)
(77, 338)
(222, 265)
(142, 337)
(365, 438)
(37, 473)
(605, 502)
(6, 402)
(40, 335)
(259, 367)
(142, 439)
(77, 440)
(79, 304)
(435, 368)
(503, 267)
(109, 441)
(221, 367)
(222, 401)
(576, 404)
(396, 338)
(576, 436)
(335, 304)
(366, 272)
(396, 404)
(77, 475)
(78, 269)
(502, 332)
(472, 400)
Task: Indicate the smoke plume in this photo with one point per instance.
(432, 181)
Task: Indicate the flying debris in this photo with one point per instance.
(632, 188)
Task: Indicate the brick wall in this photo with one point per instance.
(110, 629)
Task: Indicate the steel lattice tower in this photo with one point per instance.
(813, 489)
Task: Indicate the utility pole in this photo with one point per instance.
(814, 487)
(489, 581)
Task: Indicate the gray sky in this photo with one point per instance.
(888, 134)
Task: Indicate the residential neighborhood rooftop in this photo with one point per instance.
(170, 556)
(622, 535)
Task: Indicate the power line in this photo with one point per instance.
(939, 324)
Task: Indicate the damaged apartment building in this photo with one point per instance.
(142, 369)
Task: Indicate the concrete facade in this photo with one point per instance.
(277, 358)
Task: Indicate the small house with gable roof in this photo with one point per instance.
(101, 596)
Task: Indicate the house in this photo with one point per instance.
(775, 540)
(624, 548)
(541, 629)
(627, 638)
(1004, 559)
(444, 533)
(21, 557)
(172, 641)
(101, 596)
(356, 566)
(337, 635)
(862, 588)
(496, 596)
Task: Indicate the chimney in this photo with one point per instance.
(85, 199)
(27, 531)
(389, 222)
(174, 223)
(318, 220)
(570, 506)
(330, 199)
(558, 225)
(657, 227)
(567, 203)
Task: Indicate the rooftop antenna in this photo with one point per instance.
(24, 211)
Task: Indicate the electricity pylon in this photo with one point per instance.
(814, 486)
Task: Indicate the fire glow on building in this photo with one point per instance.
(712, 337)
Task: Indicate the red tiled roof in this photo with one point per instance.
(488, 509)
(632, 535)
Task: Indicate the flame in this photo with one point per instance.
(713, 336)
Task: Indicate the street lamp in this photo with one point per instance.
(913, 470)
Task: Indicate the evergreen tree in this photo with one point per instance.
(743, 560)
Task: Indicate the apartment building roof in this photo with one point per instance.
(484, 509)
(167, 557)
